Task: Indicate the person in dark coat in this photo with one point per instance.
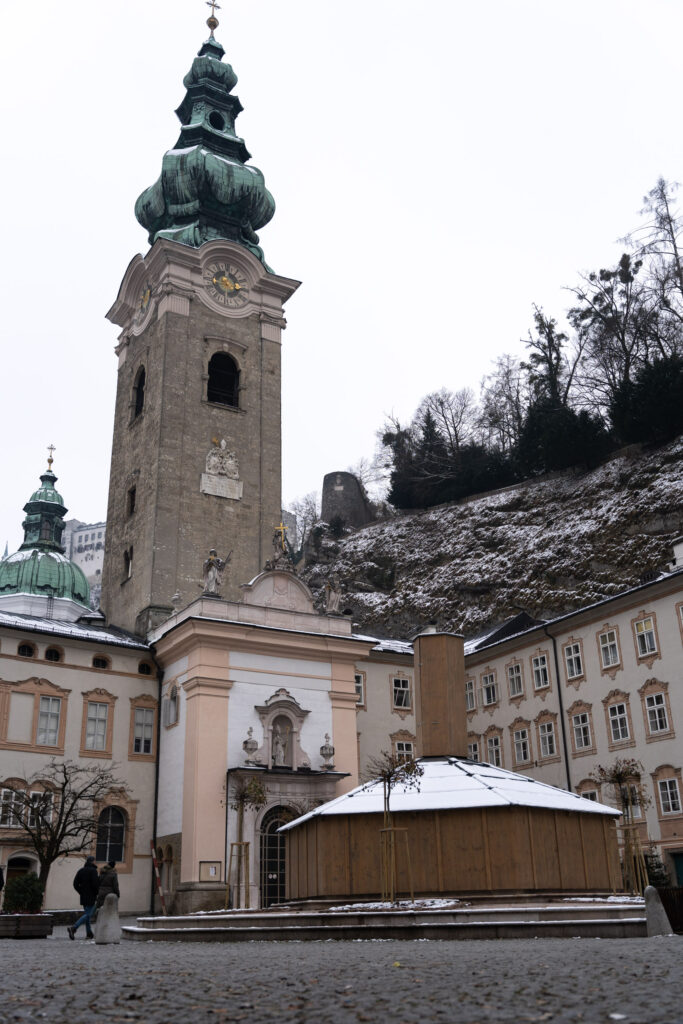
(86, 884)
(109, 882)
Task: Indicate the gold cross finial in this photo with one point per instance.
(50, 460)
(212, 20)
(282, 530)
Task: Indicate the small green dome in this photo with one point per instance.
(47, 573)
(40, 567)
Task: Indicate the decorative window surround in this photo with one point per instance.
(401, 695)
(668, 797)
(540, 673)
(654, 700)
(37, 688)
(279, 709)
(470, 696)
(473, 746)
(120, 799)
(581, 728)
(609, 650)
(589, 789)
(547, 737)
(514, 673)
(360, 680)
(520, 739)
(488, 690)
(146, 701)
(493, 745)
(646, 638)
(403, 745)
(618, 720)
(98, 696)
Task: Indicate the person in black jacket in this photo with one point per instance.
(86, 884)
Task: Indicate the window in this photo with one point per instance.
(359, 685)
(99, 661)
(493, 751)
(40, 808)
(539, 665)
(618, 722)
(96, 726)
(515, 684)
(111, 834)
(127, 564)
(144, 731)
(582, 731)
(48, 721)
(401, 691)
(473, 751)
(657, 718)
(139, 392)
(629, 798)
(469, 695)
(130, 501)
(171, 707)
(645, 637)
(590, 794)
(26, 651)
(489, 690)
(144, 668)
(224, 380)
(609, 648)
(669, 796)
(404, 750)
(521, 745)
(53, 654)
(572, 660)
(546, 734)
(9, 804)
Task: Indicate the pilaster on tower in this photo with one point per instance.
(197, 435)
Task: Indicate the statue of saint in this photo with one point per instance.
(213, 570)
(279, 746)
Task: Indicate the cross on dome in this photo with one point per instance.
(212, 20)
(51, 448)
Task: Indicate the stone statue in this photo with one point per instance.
(279, 746)
(213, 570)
(222, 462)
(333, 596)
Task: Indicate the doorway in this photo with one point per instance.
(273, 858)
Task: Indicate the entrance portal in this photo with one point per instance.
(273, 873)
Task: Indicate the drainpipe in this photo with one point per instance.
(563, 728)
(160, 679)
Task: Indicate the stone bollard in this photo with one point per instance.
(107, 926)
(657, 920)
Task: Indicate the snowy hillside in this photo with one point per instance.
(546, 546)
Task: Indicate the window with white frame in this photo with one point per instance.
(618, 722)
(582, 730)
(96, 726)
(404, 751)
(473, 751)
(41, 805)
(546, 735)
(359, 684)
(469, 695)
(493, 751)
(489, 690)
(609, 648)
(401, 690)
(669, 796)
(572, 659)
(144, 726)
(521, 742)
(645, 637)
(48, 721)
(541, 676)
(515, 684)
(590, 794)
(10, 803)
(657, 717)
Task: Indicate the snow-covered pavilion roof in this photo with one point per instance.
(455, 783)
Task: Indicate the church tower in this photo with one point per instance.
(196, 453)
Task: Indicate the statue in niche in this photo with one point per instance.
(222, 462)
(333, 596)
(281, 734)
(213, 570)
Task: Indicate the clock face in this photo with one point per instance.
(143, 303)
(226, 284)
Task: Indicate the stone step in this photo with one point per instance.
(520, 928)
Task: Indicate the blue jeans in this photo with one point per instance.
(85, 919)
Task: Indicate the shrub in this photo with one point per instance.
(23, 895)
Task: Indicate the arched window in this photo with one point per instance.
(139, 392)
(53, 654)
(273, 863)
(144, 668)
(111, 834)
(26, 651)
(128, 564)
(224, 380)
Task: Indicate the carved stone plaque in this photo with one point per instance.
(221, 486)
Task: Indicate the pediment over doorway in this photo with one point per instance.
(278, 589)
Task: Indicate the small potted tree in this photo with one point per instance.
(21, 917)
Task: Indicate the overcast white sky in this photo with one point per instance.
(437, 167)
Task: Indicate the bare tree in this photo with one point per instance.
(392, 770)
(504, 401)
(659, 241)
(57, 808)
(306, 511)
(455, 416)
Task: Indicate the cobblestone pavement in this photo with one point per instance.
(544, 980)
